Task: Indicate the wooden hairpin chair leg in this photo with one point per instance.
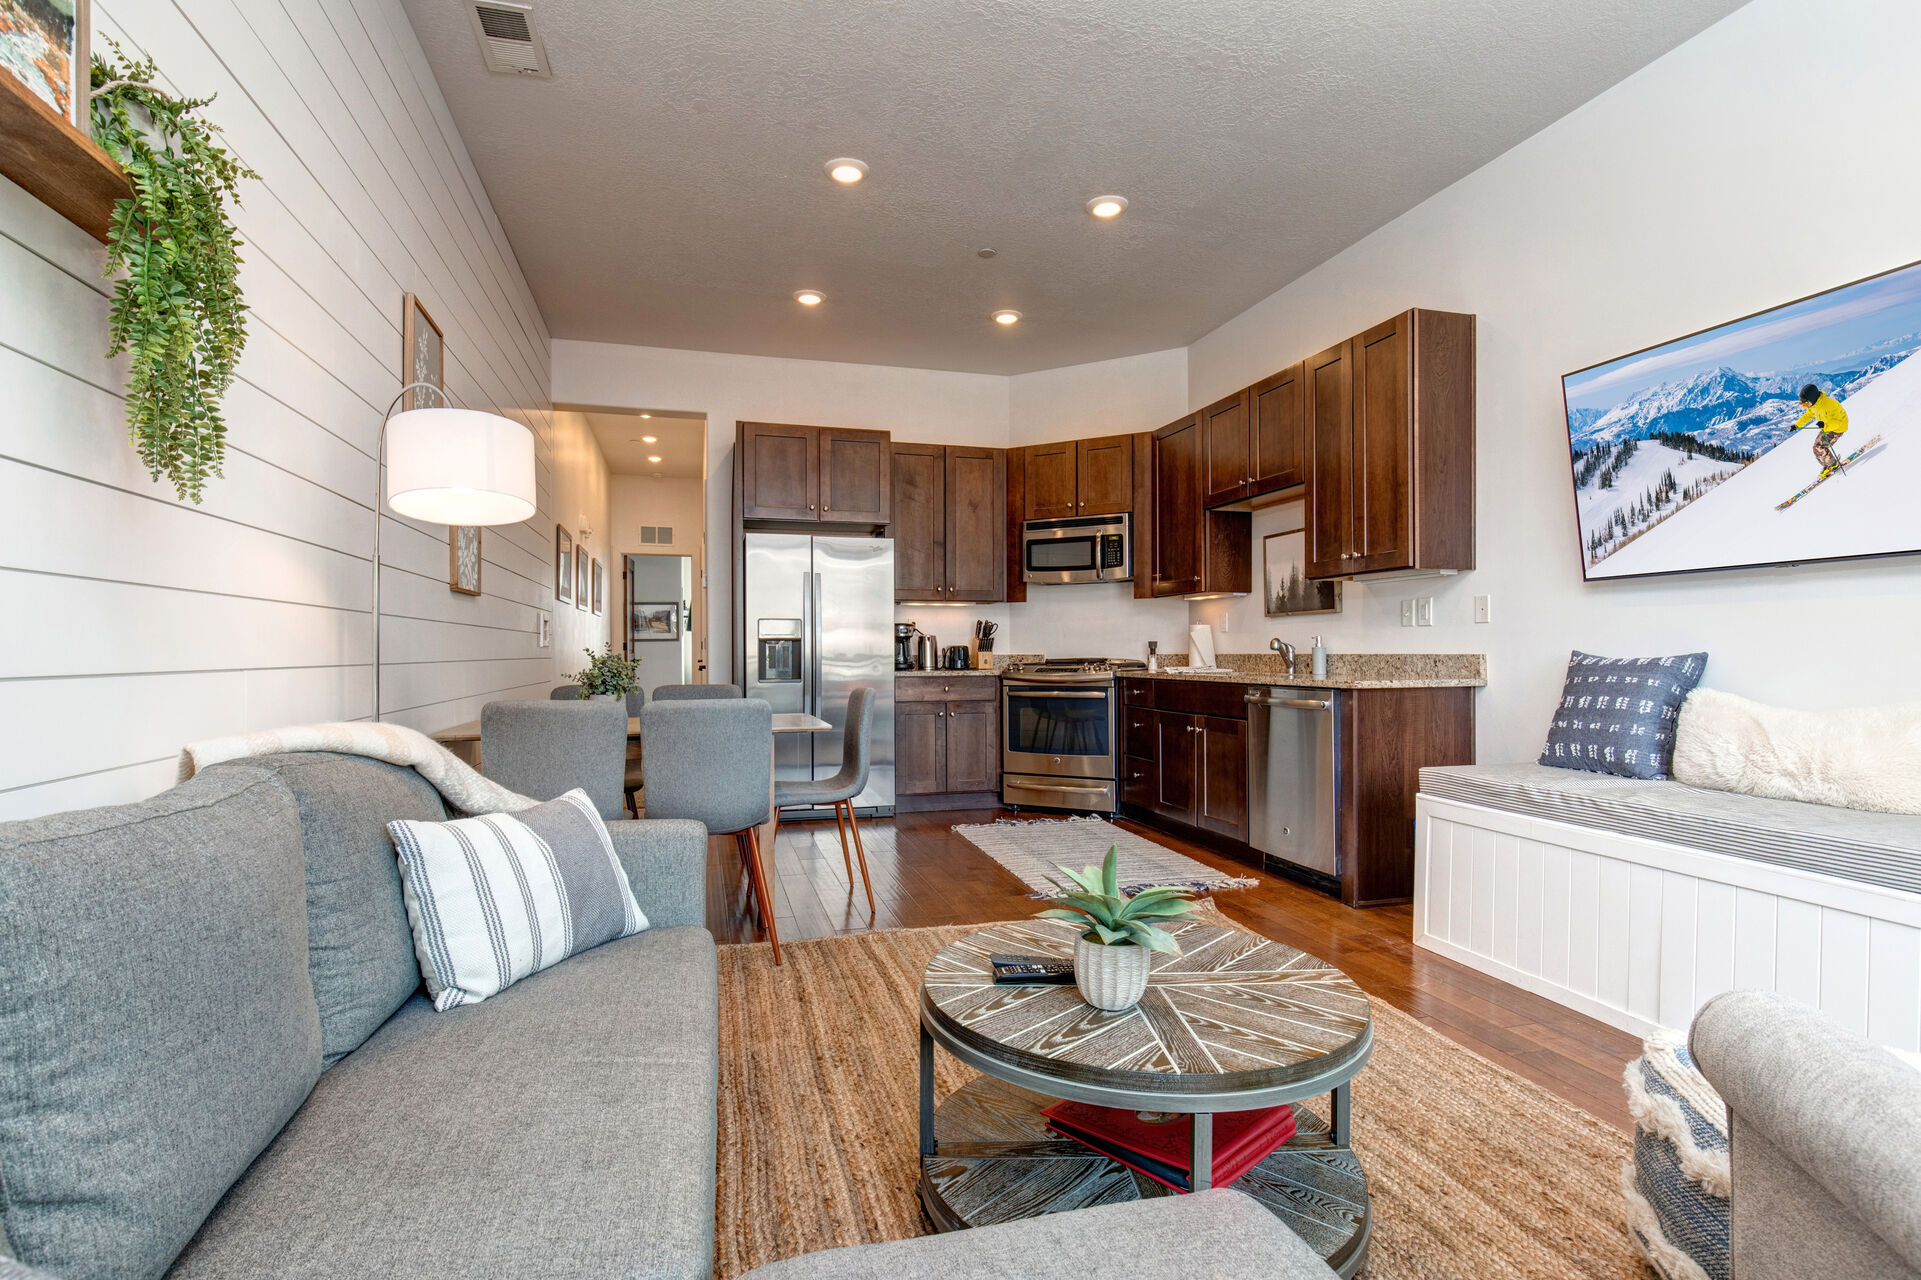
(860, 852)
(749, 841)
(846, 847)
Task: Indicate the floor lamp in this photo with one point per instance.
(449, 466)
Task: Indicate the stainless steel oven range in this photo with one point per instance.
(1059, 739)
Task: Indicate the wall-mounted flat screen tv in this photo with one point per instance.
(1787, 436)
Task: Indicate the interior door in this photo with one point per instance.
(1383, 463)
(1330, 419)
(1104, 472)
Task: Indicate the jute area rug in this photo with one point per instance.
(1035, 849)
(1475, 1172)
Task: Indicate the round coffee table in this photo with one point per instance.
(1233, 1023)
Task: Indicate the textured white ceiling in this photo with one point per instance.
(666, 186)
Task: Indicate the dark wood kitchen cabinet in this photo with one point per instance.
(1185, 760)
(950, 503)
(1256, 440)
(1228, 451)
(1390, 430)
(1079, 478)
(832, 475)
(1194, 551)
(947, 741)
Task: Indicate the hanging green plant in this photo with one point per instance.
(177, 308)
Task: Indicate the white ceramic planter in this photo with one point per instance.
(1111, 978)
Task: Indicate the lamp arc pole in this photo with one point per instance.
(380, 485)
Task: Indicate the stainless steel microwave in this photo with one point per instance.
(1078, 549)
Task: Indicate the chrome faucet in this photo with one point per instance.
(1286, 651)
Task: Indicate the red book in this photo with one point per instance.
(1162, 1147)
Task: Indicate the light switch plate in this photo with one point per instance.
(1424, 611)
(1484, 608)
(1407, 613)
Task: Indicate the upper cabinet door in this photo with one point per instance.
(1053, 488)
(1330, 416)
(1277, 421)
(779, 471)
(854, 473)
(1230, 470)
(1381, 471)
(1177, 552)
(920, 522)
(1106, 476)
(976, 524)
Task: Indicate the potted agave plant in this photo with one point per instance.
(1120, 935)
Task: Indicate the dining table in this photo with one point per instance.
(464, 741)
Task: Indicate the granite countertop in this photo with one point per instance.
(1344, 670)
(928, 675)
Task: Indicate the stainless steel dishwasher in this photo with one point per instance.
(1291, 735)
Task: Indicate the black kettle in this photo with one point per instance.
(955, 658)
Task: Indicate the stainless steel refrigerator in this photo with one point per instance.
(819, 623)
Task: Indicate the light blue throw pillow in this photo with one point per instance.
(1676, 1187)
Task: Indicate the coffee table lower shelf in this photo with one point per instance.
(996, 1161)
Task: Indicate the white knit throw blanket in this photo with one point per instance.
(462, 787)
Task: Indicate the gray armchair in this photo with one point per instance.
(542, 748)
(1824, 1132)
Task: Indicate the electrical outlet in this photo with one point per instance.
(1484, 608)
(1407, 613)
(1424, 611)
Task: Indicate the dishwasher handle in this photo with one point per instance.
(1297, 704)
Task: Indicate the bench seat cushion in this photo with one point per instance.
(1872, 848)
(563, 1128)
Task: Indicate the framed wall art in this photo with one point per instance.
(463, 559)
(657, 621)
(600, 587)
(47, 45)
(581, 587)
(1285, 587)
(563, 566)
(423, 352)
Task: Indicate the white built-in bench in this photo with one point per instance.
(1635, 902)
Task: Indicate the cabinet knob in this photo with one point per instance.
(810, 506)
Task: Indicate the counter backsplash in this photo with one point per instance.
(1356, 668)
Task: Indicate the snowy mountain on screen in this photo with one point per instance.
(1749, 412)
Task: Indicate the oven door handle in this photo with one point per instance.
(1049, 786)
(1024, 692)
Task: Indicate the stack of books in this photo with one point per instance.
(1160, 1144)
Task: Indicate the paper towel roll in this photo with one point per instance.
(1201, 637)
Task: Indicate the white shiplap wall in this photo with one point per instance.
(134, 623)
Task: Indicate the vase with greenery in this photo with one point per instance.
(177, 309)
(607, 674)
(1120, 931)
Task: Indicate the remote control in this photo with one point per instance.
(1031, 970)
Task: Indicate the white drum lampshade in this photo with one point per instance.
(459, 466)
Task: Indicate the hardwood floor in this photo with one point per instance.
(926, 875)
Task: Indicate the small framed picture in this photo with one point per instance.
(47, 45)
(600, 587)
(563, 566)
(1286, 588)
(423, 356)
(463, 559)
(581, 587)
(657, 621)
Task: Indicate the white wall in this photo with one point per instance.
(679, 505)
(1768, 158)
(582, 500)
(138, 623)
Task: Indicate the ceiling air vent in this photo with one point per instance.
(509, 41)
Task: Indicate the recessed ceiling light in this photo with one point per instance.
(1107, 206)
(808, 297)
(846, 170)
(650, 439)
(653, 458)
(646, 415)
(1006, 317)
(984, 253)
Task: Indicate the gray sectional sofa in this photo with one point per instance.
(215, 1060)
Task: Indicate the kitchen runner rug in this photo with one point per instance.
(1037, 849)
(1473, 1171)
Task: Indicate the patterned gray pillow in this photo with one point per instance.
(1617, 714)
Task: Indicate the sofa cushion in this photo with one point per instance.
(495, 898)
(563, 1128)
(1874, 848)
(1220, 1234)
(359, 948)
(1676, 1186)
(1617, 715)
(158, 1026)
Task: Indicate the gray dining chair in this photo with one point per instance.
(713, 760)
(636, 779)
(543, 748)
(564, 693)
(692, 692)
(856, 755)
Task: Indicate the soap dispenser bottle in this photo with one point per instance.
(1320, 659)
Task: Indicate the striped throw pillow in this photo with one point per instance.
(495, 898)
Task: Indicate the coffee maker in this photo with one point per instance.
(904, 634)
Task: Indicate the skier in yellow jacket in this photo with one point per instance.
(1826, 410)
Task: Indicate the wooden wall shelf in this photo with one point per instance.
(56, 163)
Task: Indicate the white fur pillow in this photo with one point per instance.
(1858, 758)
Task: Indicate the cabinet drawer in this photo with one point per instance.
(1138, 693)
(1138, 731)
(958, 687)
(1203, 698)
(1139, 782)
